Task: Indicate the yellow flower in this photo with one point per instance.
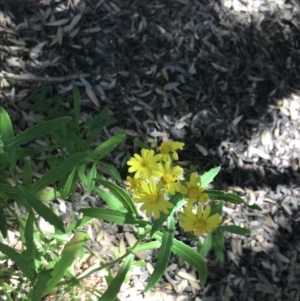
(200, 222)
(133, 184)
(169, 177)
(145, 164)
(152, 197)
(169, 148)
(194, 191)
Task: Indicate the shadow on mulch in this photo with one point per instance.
(238, 74)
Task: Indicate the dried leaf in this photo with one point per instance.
(59, 35)
(92, 96)
(74, 22)
(35, 51)
(165, 74)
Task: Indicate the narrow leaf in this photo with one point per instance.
(27, 173)
(3, 222)
(40, 286)
(66, 189)
(112, 171)
(39, 207)
(107, 146)
(66, 259)
(90, 179)
(114, 216)
(218, 244)
(209, 176)
(56, 173)
(235, 229)
(229, 197)
(6, 128)
(18, 260)
(206, 246)
(121, 195)
(189, 255)
(110, 200)
(141, 144)
(29, 253)
(163, 254)
(113, 289)
(39, 130)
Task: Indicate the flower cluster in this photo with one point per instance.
(155, 180)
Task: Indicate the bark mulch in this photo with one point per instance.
(222, 76)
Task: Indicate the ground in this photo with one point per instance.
(221, 76)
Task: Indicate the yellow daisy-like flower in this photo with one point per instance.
(169, 148)
(169, 177)
(133, 184)
(152, 197)
(194, 191)
(144, 165)
(200, 222)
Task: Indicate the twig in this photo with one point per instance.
(31, 77)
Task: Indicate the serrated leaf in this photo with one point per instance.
(37, 131)
(121, 195)
(18, 259)
(57, 173)
(209, 176)
(66, 259)
(235, 229)
(229, 197)
(39, 207)
(163, 254)
(113, 289)
(188, 254)
(114, 216)
(107, 146)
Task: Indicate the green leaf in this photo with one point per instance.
(6, 128)
(112, 171)
(66, 259)
(217, 208)
(163, 254)
(209, 176)
(57, 173)
(27, 173)
(29, 253)
(235, 229)
(148, 246)
(177, 201)
(77, 102)
(107, 146)
(229, 197)
(90, 179)
(77, 224)
(114, 216)
(47, 194)
(39, 207)
(3, 222)
(141, 144)
(110, 200)
(189, 255)
(113, 289)
(18, 260)
(121, 195)
(39, 287)
(37, 131)
(218, 244)
(66, 189)
(206, 245)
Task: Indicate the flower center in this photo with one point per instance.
(152, 198)
(168, 178)
(165, 148)
(200, 225)
(145, 164)
(193, 192)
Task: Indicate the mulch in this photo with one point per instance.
(223, 76)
